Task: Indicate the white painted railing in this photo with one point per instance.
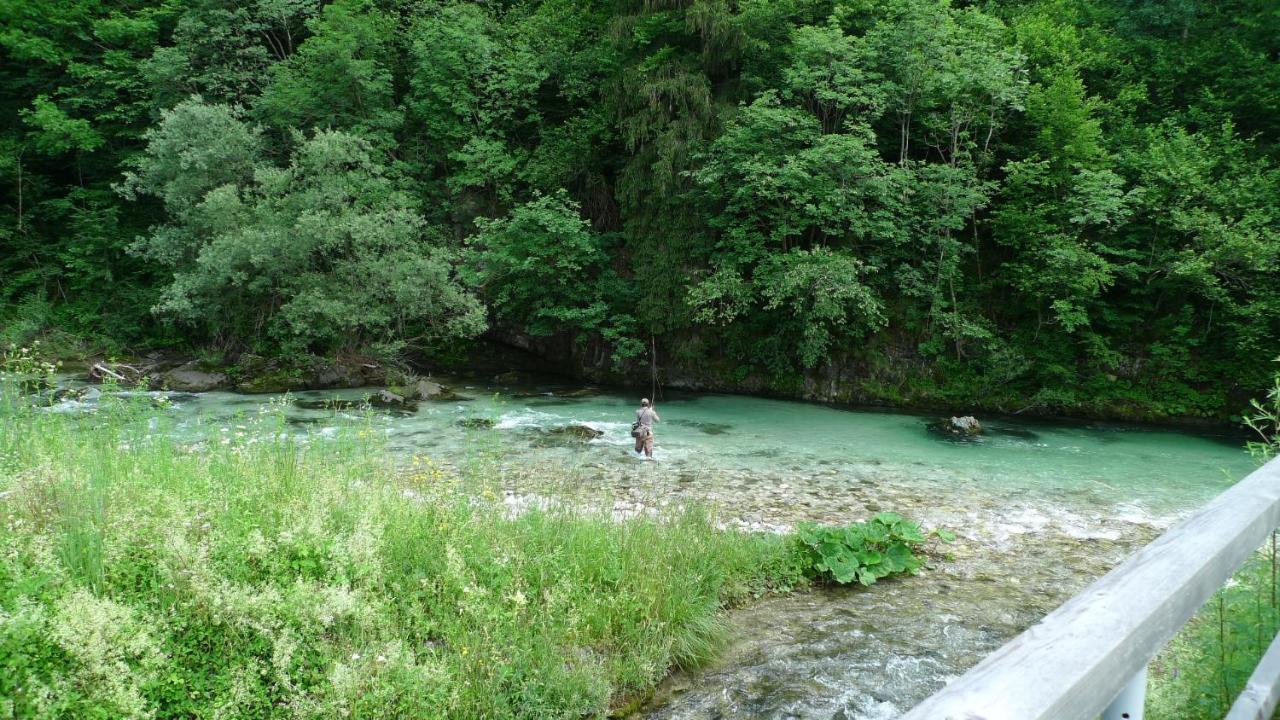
(1090, 655)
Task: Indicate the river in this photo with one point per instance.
(1040, 510)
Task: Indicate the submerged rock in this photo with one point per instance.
(476, 423)
(575, 433)
(329, 404)
(1014, 432)
(581, 432)
(708, 428)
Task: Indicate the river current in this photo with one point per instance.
(1040, 509)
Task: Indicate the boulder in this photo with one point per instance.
(190, 378)
(507, 378)
(334, 376)
(426, 390)
(965, 426)
(275, 381)
(392, 401)
(344, 373)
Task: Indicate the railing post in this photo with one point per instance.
(1128, 704)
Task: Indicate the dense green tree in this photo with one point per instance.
(1067, 204)
(339, 78)
(543, 269)
(319, 255)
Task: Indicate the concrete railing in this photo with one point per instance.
(1090, 655)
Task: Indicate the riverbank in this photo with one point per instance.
(255, 576)
(923, 393)
(889, 375)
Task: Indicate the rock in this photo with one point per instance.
(276, 381)
(259, 375)
(434, 391)
(344, 373)
(476, 423)
(507, 378)
(326, 376)
(427, 390)
(575, 432)
(392, 400)
(189, 378)
(965, 426)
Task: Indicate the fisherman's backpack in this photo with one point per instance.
(635, 429)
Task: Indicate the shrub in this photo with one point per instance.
(885, 545)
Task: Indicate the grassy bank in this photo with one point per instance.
(247, 578)
(1202, 670)
(1206, 665)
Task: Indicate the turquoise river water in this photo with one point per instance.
(1040, 509)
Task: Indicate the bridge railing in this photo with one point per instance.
(1090, 655)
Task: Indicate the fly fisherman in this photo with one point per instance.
(642, 429)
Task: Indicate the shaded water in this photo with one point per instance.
(1040, 510)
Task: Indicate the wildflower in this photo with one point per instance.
(355, 656)
(382, 658)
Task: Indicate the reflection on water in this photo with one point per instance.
(1040, 510)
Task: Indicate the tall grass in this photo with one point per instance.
(1202, 670)
(253, 575)
(1206, 665)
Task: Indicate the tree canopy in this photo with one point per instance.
(1075, 202)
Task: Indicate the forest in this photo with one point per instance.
(1064, 206)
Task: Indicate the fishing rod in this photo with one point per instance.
(653, 368)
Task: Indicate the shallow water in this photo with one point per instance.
(1040, 509)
